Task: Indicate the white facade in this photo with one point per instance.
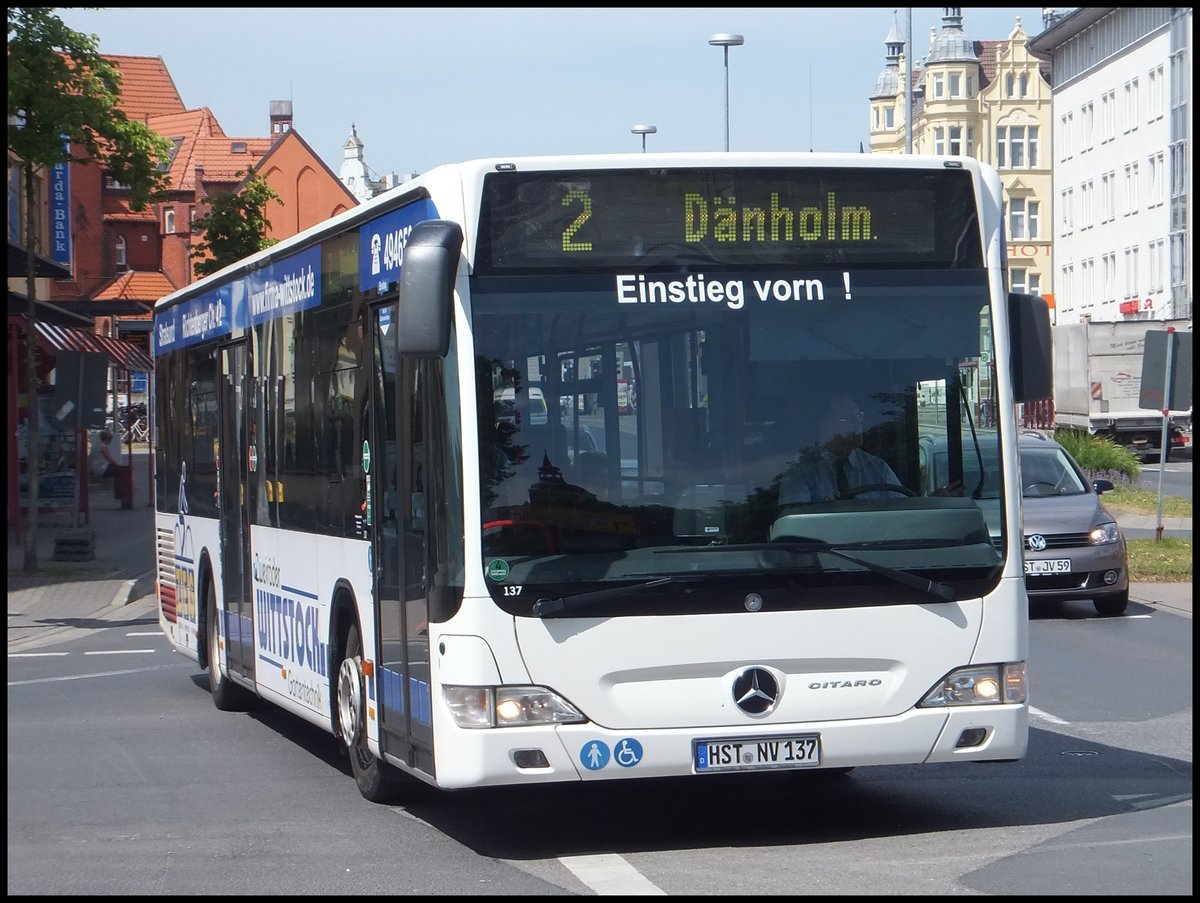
(1122, 129)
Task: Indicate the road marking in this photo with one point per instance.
(609, 875)
(157, 633)
(122, 652)
(51, 680)
(35, 654)
(1046, 716)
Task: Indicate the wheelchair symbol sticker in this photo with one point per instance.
(594, 755)
(628, 753)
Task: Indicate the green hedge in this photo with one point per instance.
(1100, 456)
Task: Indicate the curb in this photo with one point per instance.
(133, 589)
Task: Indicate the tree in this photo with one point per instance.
(62, 107)
(235, 226)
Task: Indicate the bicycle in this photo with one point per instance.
(140, 430)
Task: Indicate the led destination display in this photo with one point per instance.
(751, 217)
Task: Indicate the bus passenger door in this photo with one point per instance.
(398, 550)
(234, 501)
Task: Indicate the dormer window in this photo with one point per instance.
(169, 221)
(237, 147)
(119, 254)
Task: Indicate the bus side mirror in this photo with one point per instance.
(1029, 339)
(426, 304)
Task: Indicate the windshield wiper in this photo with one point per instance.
(940, 591)
(549, 608)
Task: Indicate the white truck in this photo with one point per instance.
(1097, 380)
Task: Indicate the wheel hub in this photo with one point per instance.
(350, 699)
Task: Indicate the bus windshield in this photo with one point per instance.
(678, 436)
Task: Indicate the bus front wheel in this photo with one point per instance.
(377, 780)
(226, 695)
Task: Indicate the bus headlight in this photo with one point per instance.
(480, 707)
(979, 685)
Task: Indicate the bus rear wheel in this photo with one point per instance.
(377, 780)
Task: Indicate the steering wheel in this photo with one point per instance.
(1029, 490)
(877, 487)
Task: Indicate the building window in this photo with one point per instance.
(939, 141)
(1131, 272)
(1108, 116)
(1065, 123)
(1088, 123)
(1024, 82)
(1017, 146)
(192, 218)
(1158, 257)
(889, 117)
(168, 221)
(956, 84)
(1018, 278)
(956, 140)
(1009, 81)
(1157, 193)
(119, 252)
(1108, 288)
(1131, 189)
(1108, 197)
(1156, 88)
(939, 86)
(1085, 205)
(1131, 105)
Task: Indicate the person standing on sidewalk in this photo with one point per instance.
(105, 461)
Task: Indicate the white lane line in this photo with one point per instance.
(122, 652)
(51, 680)
(157, 633)
(36, 654)
(1046, 716)
(610, 875)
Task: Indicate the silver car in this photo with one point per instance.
(1074, 549)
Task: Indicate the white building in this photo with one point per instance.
(1121, 172)
(357, 176)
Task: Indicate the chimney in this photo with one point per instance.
(281, 117)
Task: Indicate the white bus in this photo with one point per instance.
(617, 585)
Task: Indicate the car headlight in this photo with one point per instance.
(979, 685)
(1103, 534)
(482, 707)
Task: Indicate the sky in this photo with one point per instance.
(430, 86)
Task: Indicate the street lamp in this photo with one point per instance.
(726, 41)
(644, 130)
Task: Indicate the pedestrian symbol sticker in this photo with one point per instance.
(594, 755)
(628, 753)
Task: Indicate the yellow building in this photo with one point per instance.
(990, 100)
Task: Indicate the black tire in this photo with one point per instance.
(1111, 606)
(377, 780)
(227, 696)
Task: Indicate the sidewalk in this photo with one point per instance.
(67, 594)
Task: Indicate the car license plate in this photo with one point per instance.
(747, 753)
(1048, 566)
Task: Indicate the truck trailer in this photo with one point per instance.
(1097, 380)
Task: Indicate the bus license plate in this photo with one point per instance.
(1049, 566)
(751, 753)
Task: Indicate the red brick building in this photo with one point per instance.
(123, 262)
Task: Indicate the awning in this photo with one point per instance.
(18, 264)
(122, 354)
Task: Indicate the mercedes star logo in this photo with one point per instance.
(756, 691)
(1037, 542)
